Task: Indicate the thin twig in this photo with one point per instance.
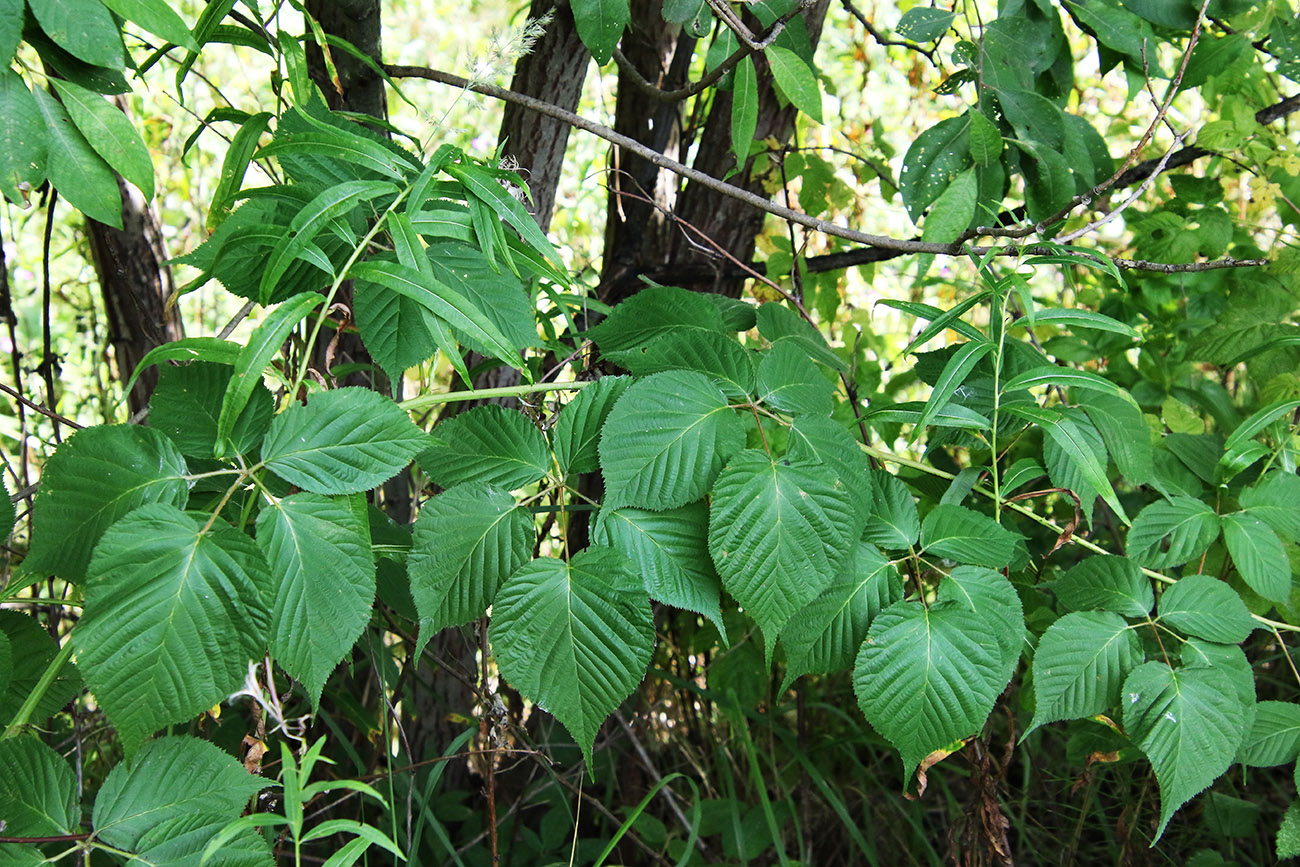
(880, 37)
(43, 410)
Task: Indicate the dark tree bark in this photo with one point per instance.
(358, 88)
(135, 286)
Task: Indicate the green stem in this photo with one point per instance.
(428, 400)
(20, 720)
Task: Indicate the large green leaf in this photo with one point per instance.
(157, 17)
(1275, 500)
(31, 651)
(574, 637)
(796, 80)
(79, 174)
(1274, 737)
(170, 778)
(600, 25)
(502, 297)
(182, 841)
(671, 552)
(323, 582)
(926, 678)
(813, 438)
(1258, 554)
(936, 157)
(744, 109)
(186, 405)
(1123, 431)
(1189, 723)
(467, 541)
(666, 439)
(1172, 532)
(38, 791)
(341, 442)
(24, 145)
(97, 476)
(790, 382)
(11, 28)
(990, 595)
(894, 523)
(1080, 666)
(709, 352)
(398, 332)
(778, 323)
(111, 134)
(779, 533)
(965, 536)
(1107, 582)
(174, 613)
(652, 313)
(576, 434)
(1204, 606)
(83, 28)
(487, 445)
(824, 635)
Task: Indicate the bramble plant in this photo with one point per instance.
(1086, 520)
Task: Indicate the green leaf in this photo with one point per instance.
(1208, 608)
(936, 157)
(1063, 471)
(990, 595)
(924, 23)
(263, 344)
(927, 677)
(1122, 430)
(174, 613)
(824, 635)
(1275, 500)
(186, 405)
(1258, 554)
(209, 349)
(323, 582)
(909, 412)
(181, 841)
(1073, 319)
(957, 533)
(744, 109)
(111, 134)
(574, 637)
(501, 297)
(954, 374)
(1288, 836)
(1172, 532)
(600, 25)
(11, 29)
(940, 320)
(1107, 582)
(83, 28)
(485, 186)
(709, 352)
(779, 533)
(235, 165)
(38, 791)
(953, 210)
(157, 17)
(1258, 421)
(985, 140)
(1070, 438)
(823, 440)
(467, 541)
(666, 439)
(487, 445)
(790, 382)
(1080, 666)
(31, 650)
(670, 551)
(79, 174)
(1274, 737)
(342, 441)
(796, 80)
(779, 323)
(894, 523)
(8, 518)
(447, 305)
(651, 313)
(169, 779)
(1188, 722)
(24, 143)
(1065, 377)
(98, 475)
(576, 434)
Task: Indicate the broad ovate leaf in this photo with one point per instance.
(825, 634)
(790, 382)
(1107, 582)
(576, 434)
(670, 550)
(825, 440)
(186, 405)
(894, 523)
(467, 541)
(95, 477)
(966, 536)
(1274, 737)
(1275, 500)
(990, 595)
(574, 637)
(1189, 722)
(600, 25)
(175, 610)
(927, 678)
(666, 439)
(1080, 666)
(487, 445)
(1206, 607)
(170, 778)
(31, 650)
(343, 441)
(38, 791)
(779, 532)
(1258, 554)
(1172, 532)
(323, 577)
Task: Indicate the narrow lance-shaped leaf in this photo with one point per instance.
(24, 144)
(83, 28)
(798, 83)
(744, 109)
(574, 637)
(1067, 435)
(79, 174)
(156, 16)
(954, 374)
(111, 133)
(234, 166)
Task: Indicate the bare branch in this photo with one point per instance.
(881, 38)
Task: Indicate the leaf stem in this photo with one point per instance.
(20, 720)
